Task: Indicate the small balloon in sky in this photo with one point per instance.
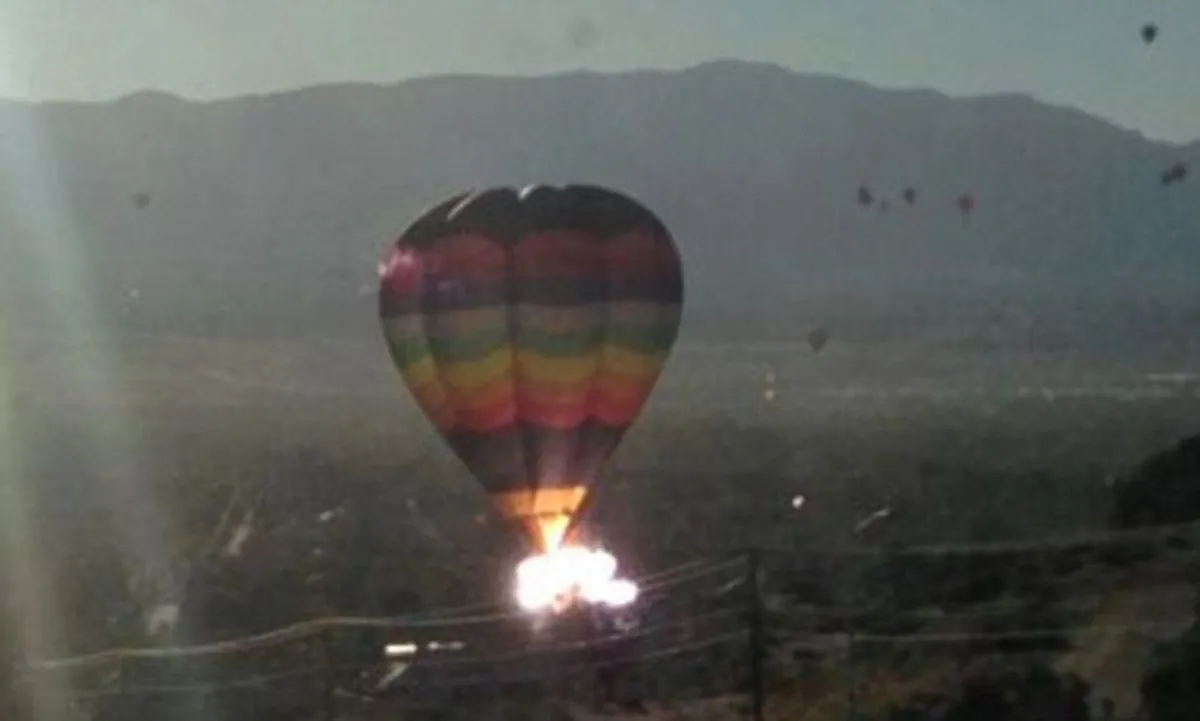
(797, 502)
(769, 395)
(1149, 33)
(817, 338)
(1177, 173)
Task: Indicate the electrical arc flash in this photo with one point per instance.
(566, 575)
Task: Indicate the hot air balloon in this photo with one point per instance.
(1149, 33)
(817, 339)
(966, 203)
(910, 195)
(1177, 173)
(864, 196)
(530, 327)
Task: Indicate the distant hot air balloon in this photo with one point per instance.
(1177, 173)
(1149, 33)
(864, 196)
(910, 195)
(817, 339)
(530, 326)
(966, 204)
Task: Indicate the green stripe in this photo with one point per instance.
(406, 352)
(468, 346)
(640, 337)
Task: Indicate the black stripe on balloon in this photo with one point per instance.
(448, 295)
(500, 459)
(507, 214)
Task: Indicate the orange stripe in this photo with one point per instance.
(436, 408)
(615, 413)
(628, 396)
(489, 395)
(488, 418)
(555, 393)
(552, 415)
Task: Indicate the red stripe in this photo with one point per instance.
(626, 395)
(484, 397)
(558, 255)
(440, 413)
(402, 273)
(639, 255)
(465, 257)
(562, 416)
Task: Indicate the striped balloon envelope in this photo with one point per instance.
(530, 326)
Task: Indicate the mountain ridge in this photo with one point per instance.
(251, 198)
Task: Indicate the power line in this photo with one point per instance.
(975, 609)
(244, 683)
(263, 640)
(694, 574)
(663, 580)
(472, 680)
(1079, 540)
(314, 626)
(550, 649)
(970, 636)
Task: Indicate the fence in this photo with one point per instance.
(771, 633)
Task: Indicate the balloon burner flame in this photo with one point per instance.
(566, 575)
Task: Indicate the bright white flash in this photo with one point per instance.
(565, 575)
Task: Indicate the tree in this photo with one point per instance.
(1169, 688)
(1007, 693)
(1164, 489)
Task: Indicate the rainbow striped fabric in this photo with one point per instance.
(531, 326)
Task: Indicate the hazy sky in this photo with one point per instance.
(1085, 53)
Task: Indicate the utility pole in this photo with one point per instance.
(329, 690)
(852, 602)
(757, 648)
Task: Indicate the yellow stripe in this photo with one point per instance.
(631, 364)
(497, 367)
(525, 503)
(556, 370)
(468, 376)
(422, 373)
